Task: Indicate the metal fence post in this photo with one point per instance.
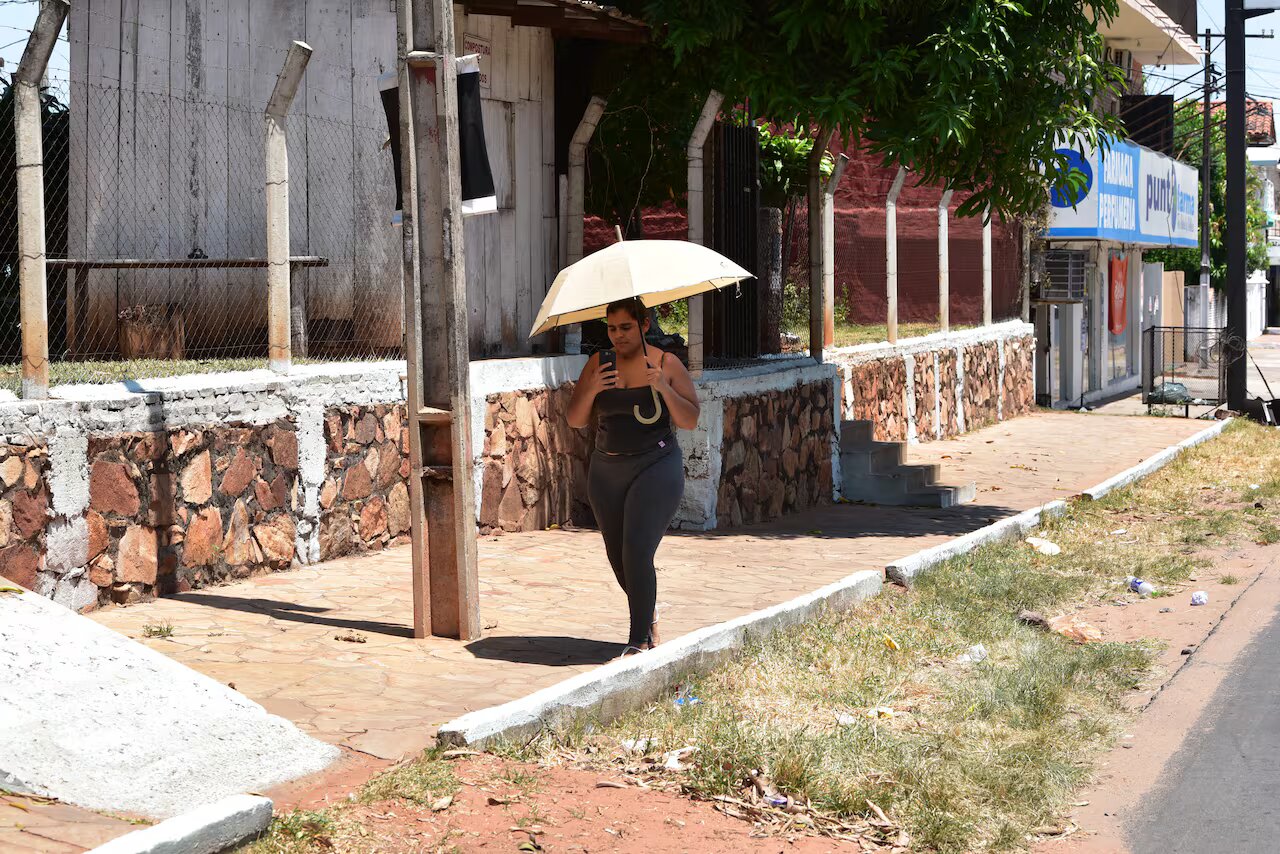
(986, 266)
(577, 201)
(891, 254)
(280, 302)
(815, 198)
(944, 261)
(697, 224)
(29, 150)
(829, 252)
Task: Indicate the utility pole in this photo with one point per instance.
(1206, 166)
(437, 352)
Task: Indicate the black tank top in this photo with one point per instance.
(618, 431)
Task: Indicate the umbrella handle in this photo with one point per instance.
(657, 409)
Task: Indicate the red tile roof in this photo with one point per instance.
(1259, 120)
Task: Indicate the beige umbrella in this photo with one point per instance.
(656, 271)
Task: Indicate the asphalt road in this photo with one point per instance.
(1221, 791)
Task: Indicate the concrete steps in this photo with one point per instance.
(878, 473)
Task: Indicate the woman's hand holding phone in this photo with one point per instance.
(606, 373)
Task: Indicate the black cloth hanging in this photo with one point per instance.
(478, 195)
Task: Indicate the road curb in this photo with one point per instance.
(630, 683)
(1153, 463)
(903, 570)
(204, 830)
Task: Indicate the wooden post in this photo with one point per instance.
(944, 261)
(280, 301)
(816, 323)
(697, 220)
(891, 254)
(446, 595)
(986, 266)
(577, 199)
(29, 150)
(829, 252)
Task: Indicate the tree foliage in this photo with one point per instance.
(1188, 131)
(972, 94)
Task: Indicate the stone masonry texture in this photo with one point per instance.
(776, 454)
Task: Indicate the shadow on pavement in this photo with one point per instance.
(555, 651)
(294, 612)
(849, 521)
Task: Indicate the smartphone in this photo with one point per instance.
(608, 360)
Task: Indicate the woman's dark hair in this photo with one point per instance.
(632, 306)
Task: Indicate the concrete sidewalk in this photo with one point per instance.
(329, 647)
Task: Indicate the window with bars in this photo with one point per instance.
(1064, 275)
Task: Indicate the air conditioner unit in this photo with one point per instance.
(1061, 275)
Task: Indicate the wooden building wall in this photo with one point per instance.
(167, 99)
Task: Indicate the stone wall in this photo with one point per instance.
(534, 463)
(776, 454)
(23, 512)
(109, 494)
(173, 511)
(364, 502)
(941, 385)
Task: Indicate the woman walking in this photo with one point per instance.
(636, 478)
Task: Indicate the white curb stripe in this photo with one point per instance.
(204, 830)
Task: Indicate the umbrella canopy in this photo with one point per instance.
(656, 271)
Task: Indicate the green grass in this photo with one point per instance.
(162, 630)
(978, 756)
(422, 781)
(296, 832)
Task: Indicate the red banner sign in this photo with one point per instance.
(1118, 289)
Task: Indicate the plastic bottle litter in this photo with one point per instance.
(1044, 546)
(1199, 598)
(976, 654)
(779, 801)
(1142, 588)
(685, 697)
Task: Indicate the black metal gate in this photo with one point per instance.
(734, 330)
(1184, 366)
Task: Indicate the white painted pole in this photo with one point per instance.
(279, 296)
(944, 261)
(1026, 274)
(891, 253)
(986, 266)
(29, 150)
(817, 326)
(829, 252)
(697, 221)
(577, 201)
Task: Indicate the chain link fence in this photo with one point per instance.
(155, 211)
(861, 299)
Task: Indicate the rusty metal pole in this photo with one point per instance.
(29, 148)
(279, 292)
(446, 594)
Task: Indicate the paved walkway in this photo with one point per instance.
(329, 647)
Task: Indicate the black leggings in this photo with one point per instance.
(634, 497)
